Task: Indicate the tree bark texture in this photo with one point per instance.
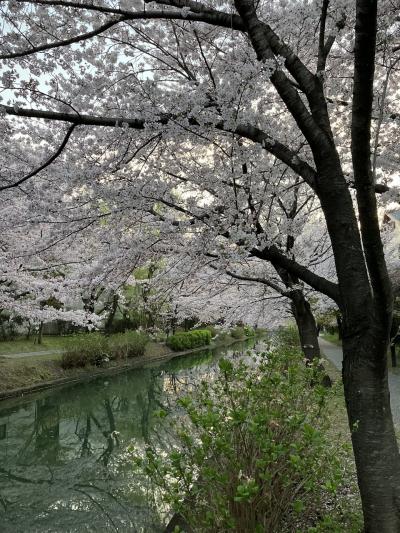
(306, 326)
(373, 435)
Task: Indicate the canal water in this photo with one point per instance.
(65, 454)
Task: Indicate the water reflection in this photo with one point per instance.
(64, 461)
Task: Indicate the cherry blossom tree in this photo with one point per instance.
(118, 96)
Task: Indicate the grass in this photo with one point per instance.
(23, 345)
(23, 372)
(155, 349)
(332, 337)
(16, 373)
(339, 432)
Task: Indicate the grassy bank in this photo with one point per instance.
(26, 372)
(22, 345)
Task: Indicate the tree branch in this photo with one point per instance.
(274, 147)
(278, 259)
(257, 279)
(46, 164)
(324, 47)
(364, 68)
(213, 17)
(66, 42)
(315, 126)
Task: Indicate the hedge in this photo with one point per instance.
(96, 349)
(241, 332)
(189, 339)
(238, 333)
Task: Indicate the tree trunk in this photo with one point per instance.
(339, 326)
(308, 331)
(394, 336)
(113, 306)
(306, 325)
(373, 435)
(393, 354)
(40, 333)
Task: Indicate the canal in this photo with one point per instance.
(66, 454)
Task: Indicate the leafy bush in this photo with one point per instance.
(128, 344)
(85, 349)
(189, 339)
(95, 348)
(287, 336)
(213, 330)
(251, 453)
(238, 332)
(249, 331)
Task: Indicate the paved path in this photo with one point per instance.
(28, 354)
(334, 353)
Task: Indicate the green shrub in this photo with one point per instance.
(128, 344)
(287, 336)
(189, 339)
(96, 348)
(238, 333)
(85, 349)
(249, 331)
(74, 359)
(213, 330)
(251, 454)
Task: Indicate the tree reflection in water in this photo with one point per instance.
(65, 463)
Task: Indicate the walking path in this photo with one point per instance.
(334, 353)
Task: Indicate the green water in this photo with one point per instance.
(65, 464)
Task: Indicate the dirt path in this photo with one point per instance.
(334, 353)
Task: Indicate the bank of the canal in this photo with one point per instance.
(20, 376)
(66, 453)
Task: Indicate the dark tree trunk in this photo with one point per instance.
(373, 435)
(308, 331)
(394, 339)
(306, 325)
(393, 354)
(339, 326)
(111, 315)
(365, 329)
(40, 333)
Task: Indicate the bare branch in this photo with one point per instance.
(257, 279)
(279, 259)
(65, 42)
(46, 164)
